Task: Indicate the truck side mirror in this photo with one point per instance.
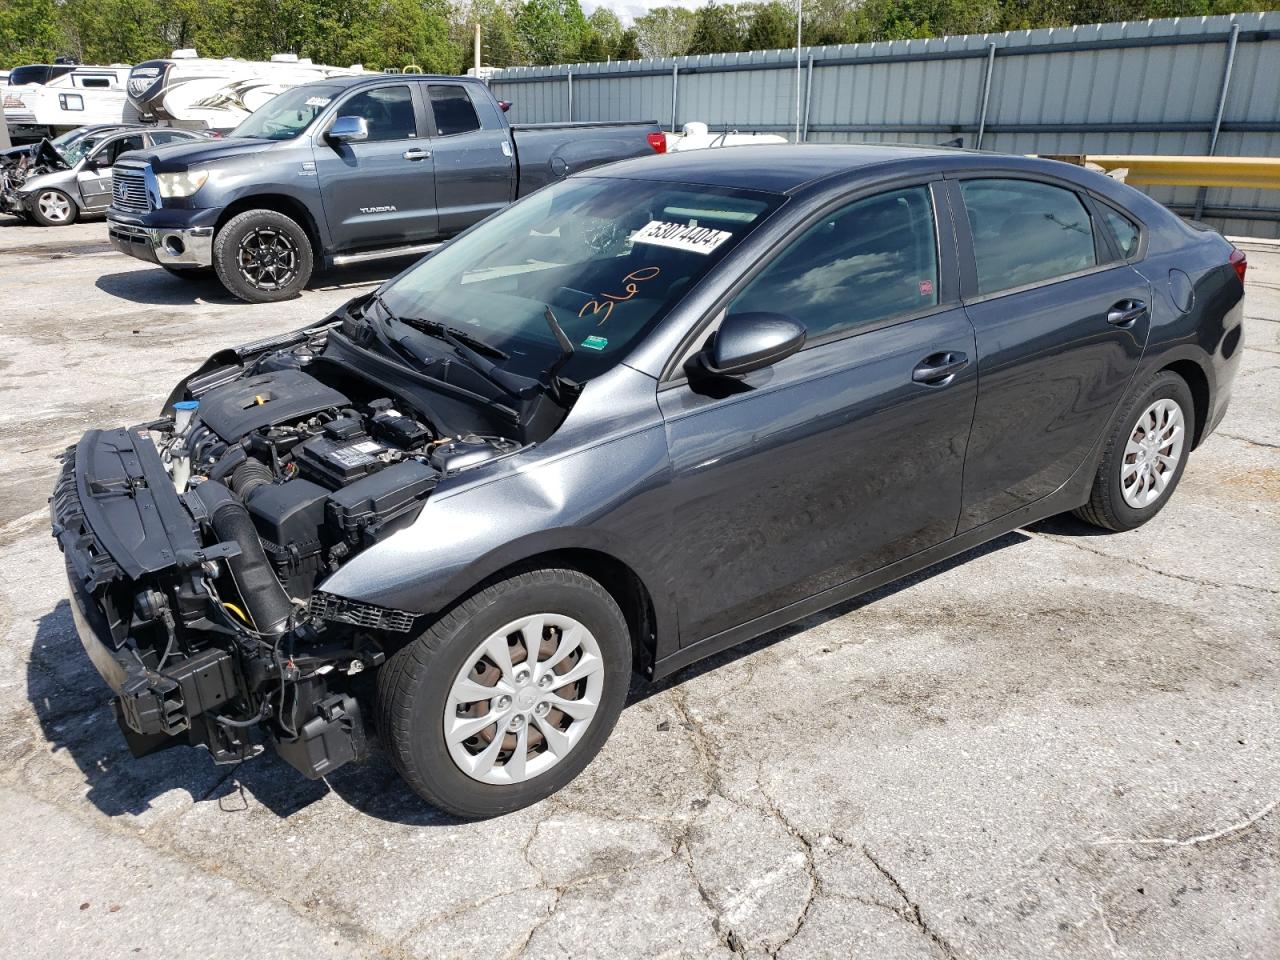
(349, 130)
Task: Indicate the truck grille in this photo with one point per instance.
(129, 190)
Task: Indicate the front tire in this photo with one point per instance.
(1145, 456)
(478, 730)
(53, 208)
(262, 256)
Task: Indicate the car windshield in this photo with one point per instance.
(78, 148)
(285, 116)
(609, 257)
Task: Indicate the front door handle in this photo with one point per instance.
(939, 369)
(416, 154)
(1126, 313)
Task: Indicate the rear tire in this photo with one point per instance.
(53, 208)
(423, 701)
(1144, 457)
(262, 256)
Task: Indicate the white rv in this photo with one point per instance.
(82, 96)
(187, 90)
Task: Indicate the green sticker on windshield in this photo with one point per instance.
(595, 343)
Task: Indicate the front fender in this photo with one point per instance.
(607, 498)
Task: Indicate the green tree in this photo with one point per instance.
(665, 31)
(29, 32)
(771, 26)
(628, 46)
(552, 30)
(717, 29)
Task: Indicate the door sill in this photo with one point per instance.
(383, 253)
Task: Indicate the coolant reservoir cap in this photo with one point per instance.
(187, 405)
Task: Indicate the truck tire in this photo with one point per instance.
(545, 722)
(262, 256)
(1144, 457)
(53, 208)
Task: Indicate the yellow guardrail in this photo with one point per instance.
(1251, 172)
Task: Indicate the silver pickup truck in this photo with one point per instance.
(344, 170)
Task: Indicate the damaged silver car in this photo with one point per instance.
(56, 182)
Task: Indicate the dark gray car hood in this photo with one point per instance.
(196, 153)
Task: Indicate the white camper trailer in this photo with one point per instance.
(187, 90)
(82, 96)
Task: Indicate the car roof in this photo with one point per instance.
(356, 79)
(778, 168)
(787, 168)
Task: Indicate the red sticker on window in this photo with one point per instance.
(926, 288)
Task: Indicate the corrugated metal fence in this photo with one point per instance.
(1154, 86)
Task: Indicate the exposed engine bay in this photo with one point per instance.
(18, 166)
(197, 544)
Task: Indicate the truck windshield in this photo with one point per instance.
(610, 257)
(287, 115)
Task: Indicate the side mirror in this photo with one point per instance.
(349, 130)
(751, 341)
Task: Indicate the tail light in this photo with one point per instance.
(1240, 262)
(659, 142)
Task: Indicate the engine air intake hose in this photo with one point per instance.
(265, 600)
(250, 475)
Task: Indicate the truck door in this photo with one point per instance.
(474, 160)
(378, 192)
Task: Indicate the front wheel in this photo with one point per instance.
(1144, 457)
(262, 256)
(509, 696)
(53, 208)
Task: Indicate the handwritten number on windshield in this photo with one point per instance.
(630, 289)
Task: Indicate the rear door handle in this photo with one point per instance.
(416, 154)
(1126, 313)
(939, 369)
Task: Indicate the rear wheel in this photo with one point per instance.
(53, 208)
(1144, 457)
(263, 256)
(508, 697)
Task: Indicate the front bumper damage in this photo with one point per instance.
(152, 623)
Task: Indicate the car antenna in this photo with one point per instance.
(566, 352)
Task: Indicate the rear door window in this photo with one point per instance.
(388, 111)
(874, 259)
(453, 110)
(1026, 232)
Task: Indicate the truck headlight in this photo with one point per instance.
(182, 184)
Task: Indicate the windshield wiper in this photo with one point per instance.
(441, 331)
(462, 343)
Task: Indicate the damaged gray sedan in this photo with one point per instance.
(636, 418)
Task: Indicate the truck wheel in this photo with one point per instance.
(1145, 456)
(263, 256)
(507, 698)
(53, 208)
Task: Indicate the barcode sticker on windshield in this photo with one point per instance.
(318, 101)
(680, 236)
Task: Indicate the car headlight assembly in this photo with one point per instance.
(182, 184)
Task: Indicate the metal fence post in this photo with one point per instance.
(1217, 117)
(986, 95)
(675, 82)
(569, 77)
(808, 99)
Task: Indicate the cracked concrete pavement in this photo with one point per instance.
(1060, 744)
